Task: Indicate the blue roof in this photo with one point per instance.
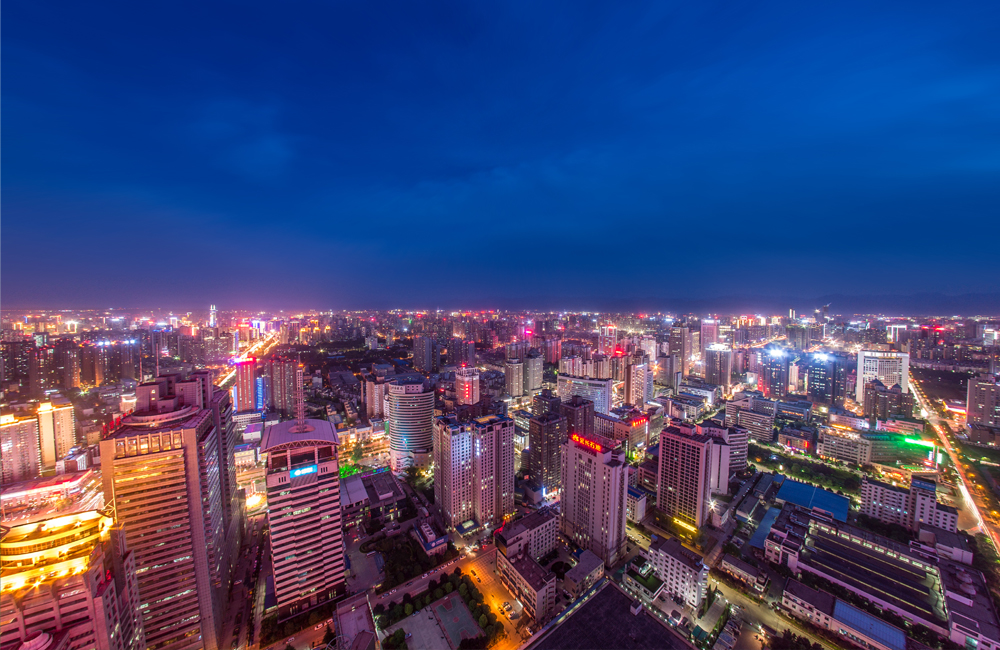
(810, 496)
(874, 628)
(636, 494)
(759, 535)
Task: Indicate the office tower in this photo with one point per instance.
(56, 430)
(983, 401)
(719, 366)
(474, 470)
(825, 379)
(709, 334)
(304, 515)
(797, 336)
(635, 384)
(462, 353)
(598, 391)
(890, 368)
(70, 581)
(774, 375)
(409, 424)
(425, 351)
(246, 384)
(467, 385)
(533, 372)
(546, 402)
(281, 373)
(20, 449)
(882, 403)
(514, 376)
(680, 344)
(579, 414)
(162, 471)
(593, 502)
(263, 389)
(546, 434)
(683, 490)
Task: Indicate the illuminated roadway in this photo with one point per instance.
(967, 494)
(260, 348)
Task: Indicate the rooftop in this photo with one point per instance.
(283, 433)
(820, 600)
(532, 572)
(524, 524)
(586, 565)
(604, 622)
(887, 635)
(676, 550)
(810, 496)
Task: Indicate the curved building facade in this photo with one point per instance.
(409, 423)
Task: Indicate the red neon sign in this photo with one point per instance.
(586, 443)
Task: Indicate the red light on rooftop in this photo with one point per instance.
(587, 443)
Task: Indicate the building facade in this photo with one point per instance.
(595, 492)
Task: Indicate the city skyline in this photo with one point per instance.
(814, 146)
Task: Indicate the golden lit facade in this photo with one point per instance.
(73, 578)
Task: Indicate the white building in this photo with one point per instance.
(911, 508)
(514, 376)
(682, 571)
(736, 437)
(409, 410)
(890, 368)
(594, 501)
(533, 365)
(467, 385)
(474, 470)
(56, 431)
(598, 391)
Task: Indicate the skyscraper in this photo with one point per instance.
(826, 379)
(890, 368)
(514, 376)
(424, 352)
(281, 373)
(474, 470)
(709, 334)
(546, 434)
(683, 491)
(719, 366)
(246, 384)
(680, 344)
(533, 372)
(20, 449)
(303, 496)
(593, 501)
(467, 385)
(598, 391)
(983, 401)
(72, 578)
(579, 414)
(635, 384)
(409, 413)
(774, 376)
(56, 431)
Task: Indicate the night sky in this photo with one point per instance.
(370, 154)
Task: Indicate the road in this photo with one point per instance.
(971, 497)
(755, 613)
(241, 617)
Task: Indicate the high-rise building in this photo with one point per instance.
(595, 490)
(579, 414)
(474, 470)
(774, 375)
(983, 401)
(514, 376)
(533, 372)
(56, 431)
(826, 378)
(246, 384)
(680, 344)
(709, 334)
(374, 395)
(425, 351)
(69, 581)
(546, 434)
(409, 413)
(598, 391)
(20, 449)
(462, 352)
(719, 366)
(546, 402)
(882, 403)
(890, 368)
(68, 364)
(467, 385)
(684, 490)
(797, 336)
(736, 438)
(281, 373)
(303, 496)
(165, 470)
(635, 384)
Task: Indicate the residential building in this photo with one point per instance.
(588, 570)
(20, 449)
(514, 377)
(983, 401)
(534, 534)
(579, 414)
(635, 504)
(467, 385)
(684, 482)
(546, 434)
(593, 504)
(719, 365)
(519, 546)
(683, 571)
(737, 438)
(882, 403)
(56, 430)
(533, 364)
(246, 384)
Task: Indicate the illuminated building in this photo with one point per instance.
(607, 343)
(467, 385)
(425, 354)
(546, 402)
(684, 488)
(462, 352)
(983, 401)
(73, 579)
(798, 336)
(246, 385)
(890, 368)
(68, 364)
(683, 572)
(680, 344)
(709, 335)
(719, 366)
(636, 381)
(882, 403)
(533, 363)
(598, 391)
(281, 397)
(56, 430)
(474, 470)
(774, 375)
(174, 457)
(409, 425)
(579, 414)
(514, 377)
(304, 514)
(825, 379)
(520, 545)
(20, 450)
(374, 395)
(911, 508)
(546, 434)
(626, 425)
(594, 498)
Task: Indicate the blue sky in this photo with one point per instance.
(439, 154)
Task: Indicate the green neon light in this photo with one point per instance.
(922, 443)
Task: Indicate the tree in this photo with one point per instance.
(328, 636)
(379, 609)
(463, 589)
(448, 588)
(438, 593)
(397, 612)
(457, 571)
(482, 621)
(408, 609)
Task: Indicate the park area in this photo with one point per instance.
(443, 626)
